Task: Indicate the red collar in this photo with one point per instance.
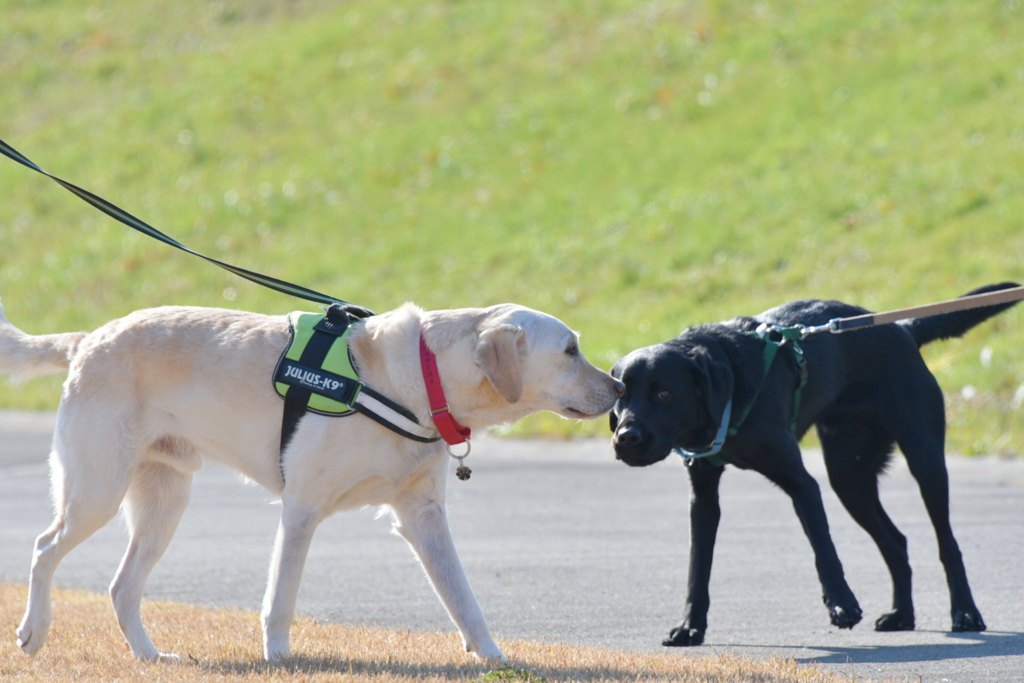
(451, 431)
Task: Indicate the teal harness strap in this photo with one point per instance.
(774, 338)
(716, 444)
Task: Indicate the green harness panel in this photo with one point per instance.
(324, 381)
(316, 374)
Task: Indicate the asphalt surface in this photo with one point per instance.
(563, 544)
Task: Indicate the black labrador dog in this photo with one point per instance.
(865, 391)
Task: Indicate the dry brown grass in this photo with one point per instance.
(224, 645)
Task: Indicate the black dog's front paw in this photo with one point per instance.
(844, 616)
(896, 620)
(968, 620)
(684, 636)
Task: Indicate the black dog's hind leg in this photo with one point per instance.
(782, 464)
(855, 452)
(926, 458)
(705, 514)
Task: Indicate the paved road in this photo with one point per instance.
(563, 544)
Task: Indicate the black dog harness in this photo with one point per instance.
(316, 374)
(774, 338)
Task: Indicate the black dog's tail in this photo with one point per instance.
(948, 325)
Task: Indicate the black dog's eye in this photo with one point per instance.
(664, 396)
(573, 349)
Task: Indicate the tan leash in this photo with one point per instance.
(838, 325)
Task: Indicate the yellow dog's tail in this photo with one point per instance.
(23, 355)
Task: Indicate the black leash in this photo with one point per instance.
(131, 221)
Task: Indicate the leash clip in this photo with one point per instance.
(831, 326)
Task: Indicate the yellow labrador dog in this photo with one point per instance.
(150, 395)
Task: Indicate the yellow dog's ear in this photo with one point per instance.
(499, 353)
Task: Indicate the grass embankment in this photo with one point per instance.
(224, 645)
(633, 168)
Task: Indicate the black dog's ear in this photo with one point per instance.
(716, 380)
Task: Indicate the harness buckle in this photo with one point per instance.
(780, 335)
(335, 321)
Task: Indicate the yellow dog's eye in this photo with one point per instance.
(573, 349)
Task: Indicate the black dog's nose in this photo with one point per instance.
(628, 436)
(619, 387)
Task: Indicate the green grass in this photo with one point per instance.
(633, 168)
